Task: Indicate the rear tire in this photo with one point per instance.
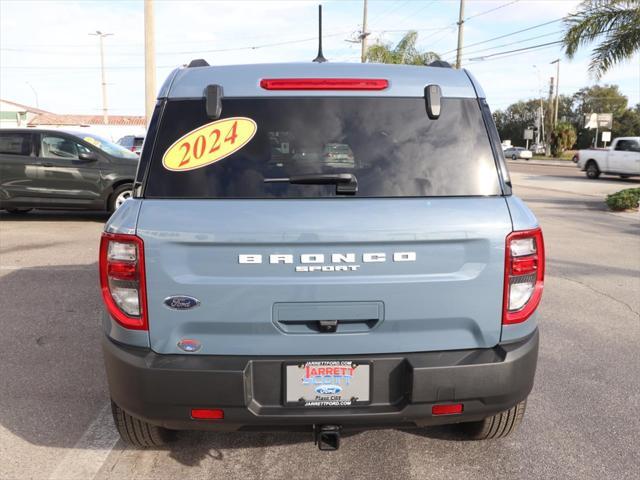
(19, 211)
(593, 171)
(119, 195)
(497, 426)
(514, 157)
(138, 433)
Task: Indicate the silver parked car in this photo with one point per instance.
(518, 152)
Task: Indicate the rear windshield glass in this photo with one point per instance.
(388, 144)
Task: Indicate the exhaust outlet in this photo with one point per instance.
(327, 437)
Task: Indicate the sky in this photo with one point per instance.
(48, 57)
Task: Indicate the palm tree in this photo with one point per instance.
(617, 21)
(404, 52)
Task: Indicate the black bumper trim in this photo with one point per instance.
(162, 389)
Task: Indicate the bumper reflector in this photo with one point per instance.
(207, 414)
(450, 409)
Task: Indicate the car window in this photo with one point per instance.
(389, 144)
(15, 143)
(626, 145)
(53, 146)
(109, 147)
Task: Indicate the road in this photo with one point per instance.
(583, 416)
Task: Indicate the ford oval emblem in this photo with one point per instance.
(189, 345)
(181, 302)
(328, 389)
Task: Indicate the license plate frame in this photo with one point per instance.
(354, 391)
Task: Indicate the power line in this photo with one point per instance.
(506, 35)
(491, 10)
(512, 43)
(422, 8)
(215, 50)
(389, 10)
(516, 32)
(532, 47)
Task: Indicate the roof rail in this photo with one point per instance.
(198, 62)
(439, 63)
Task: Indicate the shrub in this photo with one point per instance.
(624, 199)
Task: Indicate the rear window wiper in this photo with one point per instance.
(346, 183)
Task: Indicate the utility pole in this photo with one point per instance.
(105, 114)
(555, 115)
(460, 34)
(550, 106)
(149, 61)
(364, 34)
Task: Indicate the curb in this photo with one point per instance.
(548, 163)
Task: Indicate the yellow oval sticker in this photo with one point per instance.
(209, 143)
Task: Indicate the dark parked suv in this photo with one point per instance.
(61, 169)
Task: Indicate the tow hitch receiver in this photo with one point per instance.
(327, 437)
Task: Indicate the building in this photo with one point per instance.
(16, 115)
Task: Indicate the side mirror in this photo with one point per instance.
(432, 97)
(213, 98)
(88, 156)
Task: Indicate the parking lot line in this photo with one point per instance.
(87, 456)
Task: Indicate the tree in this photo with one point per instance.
(563, 137)
(615, 24)
(596, 99)
(404, 52)
(627, 124)
(512, 121)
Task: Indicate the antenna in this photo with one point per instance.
(320, 58)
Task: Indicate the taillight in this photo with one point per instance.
(324, 83)
(122, 279)
(523, 275)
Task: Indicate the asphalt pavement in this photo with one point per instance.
(582, 420)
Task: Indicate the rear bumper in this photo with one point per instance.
(162, 389)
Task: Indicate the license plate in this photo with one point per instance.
(328, 383)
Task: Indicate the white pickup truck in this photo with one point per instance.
(621, 158)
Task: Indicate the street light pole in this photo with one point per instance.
(105, 114)
(149, 61)
(35, 94)
(460, 35)
(555, 115)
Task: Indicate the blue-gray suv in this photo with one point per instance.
(320, 247)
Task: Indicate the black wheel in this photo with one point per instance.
(624, 176)
(498, 426)
(19, 211)
(138, 433)
(514, 157)
(593, 171)
(119, 195)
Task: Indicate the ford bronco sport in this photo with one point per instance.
(320, 247)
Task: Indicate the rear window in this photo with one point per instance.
(15, 143)
(389, 144)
